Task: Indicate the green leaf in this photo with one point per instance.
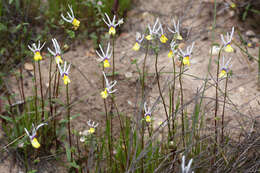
(11, 1)
(9, 119)
(3, 27)
(68, 152)
(74, 165)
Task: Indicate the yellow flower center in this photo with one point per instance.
(112, 31)
(228, 48)
(66, 79)
(35, 143)
(148, 118)
(91, 130)
(136, 46)
(223, 73)
(104, 94)
(58, 59)
(170, 54)
(233, 5)
(75, 23)
(163, 39)
(106, 63)
(186, 60)
(149, 37)
(178, 36)
(37, 56)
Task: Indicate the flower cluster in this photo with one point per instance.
(36, 50)
(32, 136)
(155, 31)
(176, 31)
(108, 89)
(71, 19)
(224, 68)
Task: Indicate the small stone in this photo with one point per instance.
(130, 103)
(241, 89)
(250, 33)
(255, 40)
(128, 74)
(28, 66)
(181, 45)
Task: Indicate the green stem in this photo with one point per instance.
(40, 75)
(223, 111)
(68, 117)
(36, 96)
(182, 105)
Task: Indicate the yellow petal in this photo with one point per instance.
(148, 37)
(112, 31)
(104, 94)
(222, 73)
(228, 48)
(91, 130)
(37, 56)
(148, 119)
(75, 23)
(163, 39)
(136, 46)
(66, 79)
(58, 60)
(170, 54)
(233, 5)
(106, 63)
(35, 143)
(186, 60)
(179, 37)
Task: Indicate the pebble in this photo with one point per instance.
(250, 33)
(128, 74)
(241, 89)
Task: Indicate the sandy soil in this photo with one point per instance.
(196, 19)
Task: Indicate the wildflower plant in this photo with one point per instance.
(176, 30)
(138, 41)
(227, 42)
(186, 55)
(92, 126)
(112, 24)
(108, 89)
(224, 68)
(105, 56)
(32, 137)
(57, 53)
(71, 18)
(36, 50)
(184, 168)
(65, 73)
(147, 113)
(162, 36)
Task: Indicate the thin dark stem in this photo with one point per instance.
(223, 111)
(40, 75)
(160, 91)
(113, 74)
(50, 97)
(22, 88)
(143, 79)
(182, 105)
(68, 116)
(36, 96)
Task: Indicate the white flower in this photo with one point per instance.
(176, 30)
(105, 56)
(108, 89)
(32, 137)
(227, 42)
(185, 169)
(92, 126)
(71, 18)
(138, 41)
(64, 73)
(173, 49)
(57, 53)
(186, 55)
(36, 50)
(153, 31)
(224, 67)
(147, 113)
(112, 24)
